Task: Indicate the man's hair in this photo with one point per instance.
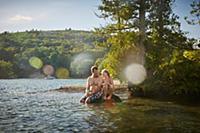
(93, 68)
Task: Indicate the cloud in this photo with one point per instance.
(21, 18)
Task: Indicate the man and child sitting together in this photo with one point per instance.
(98, 86)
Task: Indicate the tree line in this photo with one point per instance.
(55, 48)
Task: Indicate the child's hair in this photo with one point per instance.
(106, 71)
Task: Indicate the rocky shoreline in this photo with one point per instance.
(82, 88)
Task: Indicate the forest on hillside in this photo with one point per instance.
(24, 54)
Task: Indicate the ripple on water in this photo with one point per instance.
(28, 106)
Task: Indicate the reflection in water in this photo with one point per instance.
(25, 106)
(108, 104)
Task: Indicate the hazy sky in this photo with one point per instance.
(20, 15)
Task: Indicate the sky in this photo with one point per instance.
(21, 15)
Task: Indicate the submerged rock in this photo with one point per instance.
(82, 88)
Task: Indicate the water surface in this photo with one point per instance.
(26, 105)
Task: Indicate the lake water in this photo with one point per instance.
(26, 105)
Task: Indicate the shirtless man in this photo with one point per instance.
(93, 90)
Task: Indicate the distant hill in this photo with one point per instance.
(59, 48)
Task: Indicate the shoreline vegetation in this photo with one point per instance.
(60, 53)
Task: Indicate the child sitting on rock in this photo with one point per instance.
(107, 85)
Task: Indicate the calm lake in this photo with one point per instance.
(26, 105)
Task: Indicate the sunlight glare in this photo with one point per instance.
(135, 73)
(62, 73)
(35, 62)
(48, 70)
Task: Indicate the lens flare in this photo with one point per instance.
(81, 63)
(36, 62)
(62, 73)
(48, 70)
(135, 73)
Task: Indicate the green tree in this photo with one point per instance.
(195, 13)
(6, 69)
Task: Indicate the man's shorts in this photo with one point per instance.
(96, 97)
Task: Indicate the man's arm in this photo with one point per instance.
(87, 85)
(100, 83)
